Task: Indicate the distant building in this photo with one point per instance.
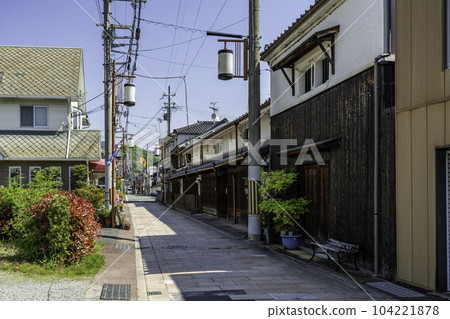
(210, 171)
(169, 145)
(42, 98)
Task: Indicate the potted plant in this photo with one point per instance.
(127, 224)
(286, 213)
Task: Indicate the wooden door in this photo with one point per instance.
(316, 189)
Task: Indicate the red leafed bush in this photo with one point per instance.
(38, 243)
(83, 227)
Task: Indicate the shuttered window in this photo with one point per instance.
(26, 116)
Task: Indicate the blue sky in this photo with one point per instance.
(72, 23)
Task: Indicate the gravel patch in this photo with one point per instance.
(14, 287)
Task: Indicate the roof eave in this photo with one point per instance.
(273, 46)
(40, 97)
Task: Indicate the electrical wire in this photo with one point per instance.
(204, 40)
(173, 41)
(189, 45)
(176, 27)
(176, 63)
(194, 39)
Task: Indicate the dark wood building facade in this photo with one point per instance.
(341, 121)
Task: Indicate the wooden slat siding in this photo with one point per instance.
(209, 193)
(346, 110)
(316, 190)
(187, 202)
(387, 190)
(221, 194)
(241, 198)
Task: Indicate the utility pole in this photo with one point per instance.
(168, 115)
(108, 100)
(254, 113)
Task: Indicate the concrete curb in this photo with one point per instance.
(140, 277)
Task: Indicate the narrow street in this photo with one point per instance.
(187, 259)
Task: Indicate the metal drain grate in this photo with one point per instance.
(397, 291)
(115, 292)
(154, 293)
(175, 247)
(292, 296)
(220, 295)
(122, 246)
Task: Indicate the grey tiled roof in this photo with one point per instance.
(35, 145)
(317, 4)
(40, 71)
(199, 128)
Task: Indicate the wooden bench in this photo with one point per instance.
(338, 247)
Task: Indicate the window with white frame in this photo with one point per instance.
(309, 78)
(33, 170)
(15, 174)
(325, 72)
(34, 116)
(312, 71)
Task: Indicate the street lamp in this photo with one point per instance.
(252, 72)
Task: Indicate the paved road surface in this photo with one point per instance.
(185, 259)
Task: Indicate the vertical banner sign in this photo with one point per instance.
(253, 197)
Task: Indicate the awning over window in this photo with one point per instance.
(312, 42)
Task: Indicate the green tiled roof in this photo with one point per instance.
(36, 145)
(40, 71)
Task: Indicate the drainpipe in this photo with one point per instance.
(68, 141)
(376, 108)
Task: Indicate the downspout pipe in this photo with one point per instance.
(376, 122)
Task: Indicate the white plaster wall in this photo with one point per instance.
(10, 120)
(358, 42)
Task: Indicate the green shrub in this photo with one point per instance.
(94, 195)
(13, 200)
(80, 177)
(104, 212)
(285, 213)
(58, 232)
(60, 228)
(46, 180)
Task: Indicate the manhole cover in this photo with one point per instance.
(395, 290)
(154, 293)
(115, 292)
(122, 246)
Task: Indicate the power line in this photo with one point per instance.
(176, 63)
(189, 46)
(204, 40)
(176, 27)
(173, 42)
(194, 39)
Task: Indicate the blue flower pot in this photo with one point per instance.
(290, 241)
